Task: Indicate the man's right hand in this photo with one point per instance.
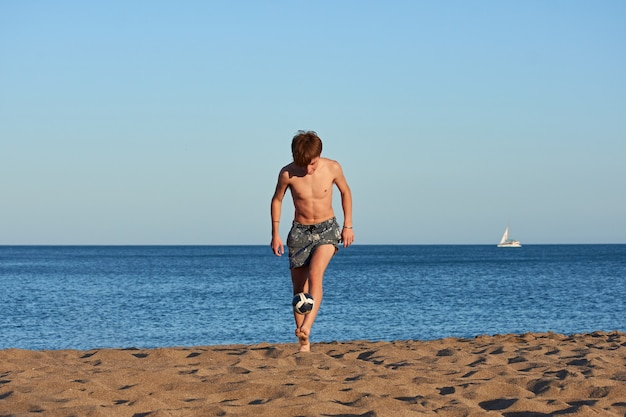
(277, 246)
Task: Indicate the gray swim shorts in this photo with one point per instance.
(303, 239)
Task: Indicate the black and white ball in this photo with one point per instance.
(302, 303)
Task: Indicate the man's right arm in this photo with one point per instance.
(275, 211)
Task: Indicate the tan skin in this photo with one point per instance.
(311, 189)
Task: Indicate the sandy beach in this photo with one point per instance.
(527, 375)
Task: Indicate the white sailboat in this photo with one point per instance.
(505, 242)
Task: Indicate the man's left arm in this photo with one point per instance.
(347, 233)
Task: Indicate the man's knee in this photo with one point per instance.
(300, 273)
(321, 257)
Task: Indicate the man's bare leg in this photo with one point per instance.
(300, 280)
(311, 278)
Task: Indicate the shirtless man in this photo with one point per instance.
(315, 234)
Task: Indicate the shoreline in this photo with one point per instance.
(511, 375)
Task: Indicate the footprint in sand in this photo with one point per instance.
(6, 395)
(497, 404)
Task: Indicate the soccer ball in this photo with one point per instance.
(302, 303)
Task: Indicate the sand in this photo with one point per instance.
(525, 375)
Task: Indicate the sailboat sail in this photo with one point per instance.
(505, 236)
(505, 242)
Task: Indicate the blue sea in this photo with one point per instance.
(84, 297)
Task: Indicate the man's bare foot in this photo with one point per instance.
(303, 338)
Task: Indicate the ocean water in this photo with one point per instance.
(88, 297)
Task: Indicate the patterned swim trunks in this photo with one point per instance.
(303, 239)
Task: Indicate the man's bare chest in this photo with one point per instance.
(311, 188)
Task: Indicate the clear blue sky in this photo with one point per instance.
(153, 122)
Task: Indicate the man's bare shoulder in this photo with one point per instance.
(332, 165)
(289, 171)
